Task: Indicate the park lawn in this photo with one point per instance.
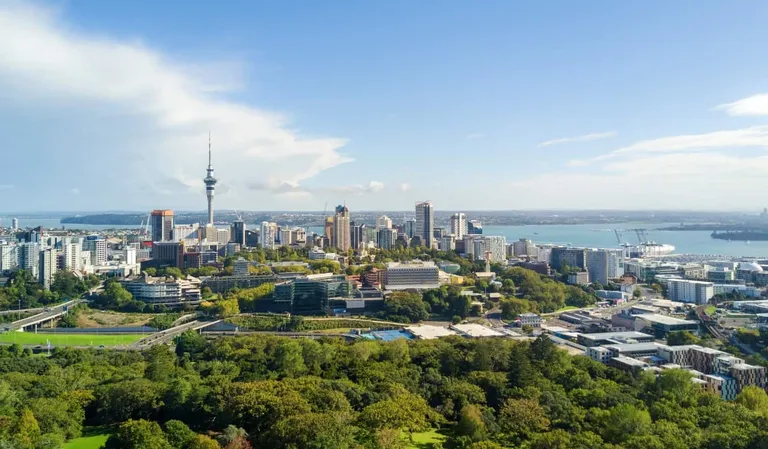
(710, 310)
(31, 338)
(424, 440)
(88, 442)
(566, 308)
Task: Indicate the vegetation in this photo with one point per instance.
(68, 339)
(22, 290)
(299, 324)
(679, 338)
(266, 391)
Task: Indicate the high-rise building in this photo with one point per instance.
(29, 255)
(496, 248)
(524, 247)
(187, 232)
(425, 222)
(129, 255)
(210, 184)
(459, 225)
(605, 264)
(161, 223)
(222, 236)
(358, 235)
(341, 230)
(572, 257)
(697, 292)
(238, 232)
(168, 253)
(386, 238)
(9, 256)
(268, 235)
(47, 260)
(15, 224)
(447, 243)
(73, 259)
(409, 227)
(474, 227)
(383, 222)
(97, 247)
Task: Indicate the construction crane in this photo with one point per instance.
(618, 236)
(642, 236)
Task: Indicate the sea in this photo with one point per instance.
(587, 235)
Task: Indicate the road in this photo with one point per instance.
(46, 315)
(168, 335)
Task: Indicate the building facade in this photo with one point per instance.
(459, 225)
(696, 292)
(341, 237)
(161, 224)
(425, 223)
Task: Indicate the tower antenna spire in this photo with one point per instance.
(209, 148)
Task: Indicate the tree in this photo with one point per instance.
(755, 399)
(27, 429)
(680, 338)
(178, 434)
(189, 342)
(202, 442)
(139, 398)
(521, 371)
(637, 293)
(521, 418)
(471, 423)
(405, 411)
(139, 434)
(405, 307)
(625, 421)
(511, 308)
(313, 431)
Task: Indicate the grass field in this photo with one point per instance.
(566, 308)
(710, 310)
(424, 440)
(95, 441)
(30, 338)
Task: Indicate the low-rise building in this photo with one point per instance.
(578, 278)
(529, 319)
(411, 275)
(164, 290)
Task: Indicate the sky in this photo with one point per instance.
(492, 105)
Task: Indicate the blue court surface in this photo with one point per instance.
(387, 335)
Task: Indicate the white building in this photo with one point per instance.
(425, 223)
(73, 258)
(697, 292)
(129, 255)
(9, 256)
(448, 243)
(524, 247)
(187, 233)
(15, 224)
(47, 270)
(223, 236)
(268, 235)
(411, 275)
(459, 225)
(496, 248)
(383, 222)
(98, 249)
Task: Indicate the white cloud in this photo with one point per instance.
(404, 187)
(756, 136)
(584, 138)
(474, 136)
(754, 105)
(289, 190)
(44, 63)
(664, 181)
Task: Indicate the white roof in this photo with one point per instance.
(427, 332)
(476, 330)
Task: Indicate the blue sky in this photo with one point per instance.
(474, 105)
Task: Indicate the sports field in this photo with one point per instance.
(88, 442)
(31, 338)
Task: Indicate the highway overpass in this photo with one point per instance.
(167, 336)
(46, 315)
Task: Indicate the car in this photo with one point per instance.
(47, 309)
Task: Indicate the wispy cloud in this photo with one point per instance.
(290, 190)
(45, 63)
(754, 105)
(584, 138)
(474, 136)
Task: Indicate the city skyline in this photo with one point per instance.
(541, 104)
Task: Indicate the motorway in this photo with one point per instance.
(167, 336)
(47, 315)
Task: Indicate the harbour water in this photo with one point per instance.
(589, 235)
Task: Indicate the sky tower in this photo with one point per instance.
(210, 183)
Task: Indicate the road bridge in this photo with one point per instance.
(167, 336)
(48, 314)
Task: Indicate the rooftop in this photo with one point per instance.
(629, 361)
(609, 335)
(663, 319)
(426, 332)
(476, 330)
(634, 347)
